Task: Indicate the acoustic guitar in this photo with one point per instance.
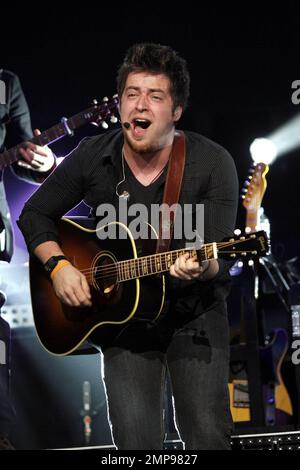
(125, 276)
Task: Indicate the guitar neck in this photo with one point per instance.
(253, 193)
(160, 263)
(51, 135)
(252, 219)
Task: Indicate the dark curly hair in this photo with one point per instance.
(156, 58)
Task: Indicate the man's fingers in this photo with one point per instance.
(24, 165)
(28, 156)
(186, 268)
(85, 287)
(38, 159)
(82, 297)
(35, 150)
(71, 298)
(176, 272)
(33, 165)
(79, 294)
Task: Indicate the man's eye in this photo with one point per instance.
(157, 98)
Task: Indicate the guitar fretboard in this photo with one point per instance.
(159, 263)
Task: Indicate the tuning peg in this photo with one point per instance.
(95, 101)
(113, 119)
(104, 125)
(105, 99)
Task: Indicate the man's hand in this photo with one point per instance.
(188, 268)
(71, 287)
(35, 157)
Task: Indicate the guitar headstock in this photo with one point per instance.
(105, 111)
(246, 246)
(255, 187)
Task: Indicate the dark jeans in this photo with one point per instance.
(197, 357)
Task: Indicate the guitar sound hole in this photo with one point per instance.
(105, 275)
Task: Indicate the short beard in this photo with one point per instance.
(144, 149)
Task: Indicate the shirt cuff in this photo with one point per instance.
(45, 237)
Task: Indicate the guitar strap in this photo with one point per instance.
(171, 192)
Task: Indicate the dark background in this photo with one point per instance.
(242, 59)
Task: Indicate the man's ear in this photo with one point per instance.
(177, 113)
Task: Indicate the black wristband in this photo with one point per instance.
(52, 262)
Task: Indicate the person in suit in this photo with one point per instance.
(35, 164)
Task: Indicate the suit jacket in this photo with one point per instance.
(15, 127)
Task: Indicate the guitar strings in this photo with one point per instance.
(206, 247)
(114, 272)
(112, 269)
(148, 258)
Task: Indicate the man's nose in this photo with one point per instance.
(142, 103)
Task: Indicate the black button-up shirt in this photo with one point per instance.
(91, 173)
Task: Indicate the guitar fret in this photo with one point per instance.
(123, 270)
(137, 267)
(168, 260)
(71, 122)
(126, 270)
(140, 267)
(157, 263)
(150, 268)
(132, 269)
(119, 267)
(144, 264)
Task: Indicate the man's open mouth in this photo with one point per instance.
(142, 123)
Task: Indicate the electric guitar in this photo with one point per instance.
(121, 273)
(278, 407)
(97, 114)
(252, 194)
